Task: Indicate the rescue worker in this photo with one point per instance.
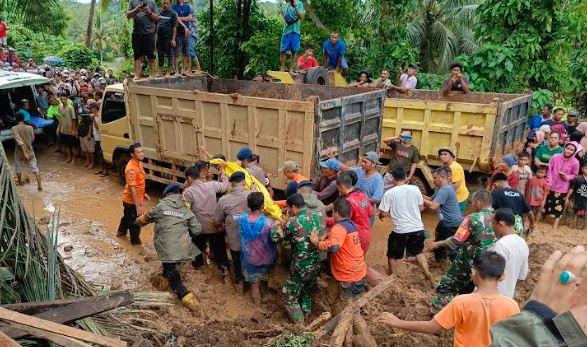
(175, 225)
(250, 162)
(305, 266)
(474, 235)
(230, 208)
(326, 189)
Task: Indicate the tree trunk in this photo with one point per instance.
(90, 27)
(211, 42)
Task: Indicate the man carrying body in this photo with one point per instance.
(229, 209)
(144, 15)
(291, 171)
(248, 162)
(403, 154)
(290, 37)
(404, 204)
(185, 14)
(360, 207)
(305, 266)
(445, 202)
(175, 225)
(134, 194)
(24, 136)
(333, 56)
(326, 189)
(201, 195)
(474, 236)
(513, 248)
(505, 196)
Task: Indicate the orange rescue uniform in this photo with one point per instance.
(135, 176)
(347, 261)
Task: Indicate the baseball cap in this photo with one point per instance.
(573, 113)
(446, 149)
(244, 153)
(172, 188)
(331, 163)
(238, 176)
(372, 156)
(289, 165)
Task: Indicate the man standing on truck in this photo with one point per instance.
(144, 15)
(23, 153)
(403, 154)
(290, 37)
(201, 195)
(457, 82)
(333, 56)
(134, 194)
(166, 37)
(185, 14)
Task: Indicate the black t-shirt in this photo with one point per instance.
(167, 21)
(580, 192)
(510, 198)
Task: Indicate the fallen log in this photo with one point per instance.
(31, 308)
(318, 322)
(83, 307)
(354, 307)
(52, 337)
(7, 341)
(15, 317)
(261, 334)
(340, 333)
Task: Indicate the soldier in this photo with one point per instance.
(305, 267)
(474, 236)
(312, 204)
(175, 225)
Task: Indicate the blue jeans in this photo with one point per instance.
(192, 43)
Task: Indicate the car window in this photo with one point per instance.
(113, 107)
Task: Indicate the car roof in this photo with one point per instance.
(9, 79)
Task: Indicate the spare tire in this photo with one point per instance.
(317, 75)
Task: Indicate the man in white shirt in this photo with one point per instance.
(406, 79)
(404, 204)
(513, 248)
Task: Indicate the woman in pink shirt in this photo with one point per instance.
(562, 169)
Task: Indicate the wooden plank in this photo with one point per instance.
(49, 336)
(84, 307)
(15, 317)
(38, 306)
(6, 341)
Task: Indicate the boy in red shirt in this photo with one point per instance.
(536, 191)
(307, 60)
(346, 262)
(472, 315)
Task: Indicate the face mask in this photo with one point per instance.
(407, 138)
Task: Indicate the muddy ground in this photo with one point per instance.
(90, 206)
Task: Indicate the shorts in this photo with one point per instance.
(19, 162)
(193, 54)
(555, 204)
(86, 144)
(165, 51)
(182, 46)
(350, 290)
(343, 64)
(68, 140)
(290, 42)
(412, 242)
(143, 45)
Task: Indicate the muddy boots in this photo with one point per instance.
(191, 302)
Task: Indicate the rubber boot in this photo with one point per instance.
(191, 302)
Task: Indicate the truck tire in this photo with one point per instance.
(317, 75)
(121, 162)
(421, 184)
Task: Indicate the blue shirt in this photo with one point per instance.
(371, 186)
(26, 115)
(535, 122)
(449, 212)
(333, 51)
(292, 21)
(183, 11)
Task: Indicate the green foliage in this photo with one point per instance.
(262, 47)
(291, 340)
(32, 44)
(540, 98)
(78, 56)
(431, 81)
(38, 15)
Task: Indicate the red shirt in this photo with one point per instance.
(3, 29)
(513, 178)
(306, 63)
(361, 216)
(536, 191)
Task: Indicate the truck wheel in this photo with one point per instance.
(121, 162)
(317, 75)
(421, 184)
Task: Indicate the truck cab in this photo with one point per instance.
(115, 129)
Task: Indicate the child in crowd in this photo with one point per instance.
(470, 314)
(257, 250)
(346, 261)
(578, 194)
(524, 171)
(305, 266)
(536, 191)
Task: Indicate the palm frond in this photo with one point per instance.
(444, 44)
(28, 11)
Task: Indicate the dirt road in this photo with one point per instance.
(90, 208)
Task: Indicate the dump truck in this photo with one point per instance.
(480, 127)
(173, 117)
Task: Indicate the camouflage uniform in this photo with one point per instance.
(305, 266)
(475, 235)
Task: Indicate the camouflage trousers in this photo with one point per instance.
(456, 281)
(299, 286)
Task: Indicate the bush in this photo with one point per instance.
(430, 81)
(78, 56)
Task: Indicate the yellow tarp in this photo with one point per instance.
(251, 182)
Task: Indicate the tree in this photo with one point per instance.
(443, 29)
(102, 38)
(90, 26)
